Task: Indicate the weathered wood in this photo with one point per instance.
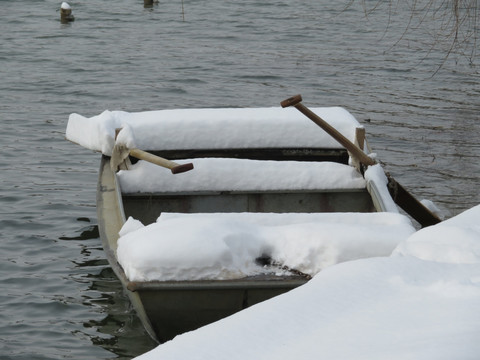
(339, 155)
(359, 142)
(412, 206)
(360, 137)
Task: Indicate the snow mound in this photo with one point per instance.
(455, 241)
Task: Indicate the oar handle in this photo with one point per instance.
(291, 101)
(173, 166)
(354, 150)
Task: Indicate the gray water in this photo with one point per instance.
(59, 299)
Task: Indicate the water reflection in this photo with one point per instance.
(86, 233)
(148, 4)
(249, 54)
(118, 329)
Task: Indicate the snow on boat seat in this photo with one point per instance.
(228, 245)
(240, 185)
(226, 128)
(240, 175)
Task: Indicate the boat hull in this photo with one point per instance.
(176, 307)
(170, 308)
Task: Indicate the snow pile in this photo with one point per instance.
(211, 128)
(418, 304)
(219, 174)
(65, 6)
(126, 137)
(225, 246)
(377, 184)
(430, 205)
(454, 241)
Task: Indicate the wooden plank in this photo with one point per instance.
(412, 206)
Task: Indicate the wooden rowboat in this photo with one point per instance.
(173, 307)
(170, 307)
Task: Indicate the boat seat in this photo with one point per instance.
(240, 185)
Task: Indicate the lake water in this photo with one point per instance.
(59, 299)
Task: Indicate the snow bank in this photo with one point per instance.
(455, 241)
(211, 128)
(225, 246)
(398, 307)
(216, 174)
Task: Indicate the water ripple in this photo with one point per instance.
(63, 300)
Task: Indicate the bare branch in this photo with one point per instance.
(452, 25)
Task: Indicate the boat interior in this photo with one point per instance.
(146, 207)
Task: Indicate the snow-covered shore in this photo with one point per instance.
(419, 303)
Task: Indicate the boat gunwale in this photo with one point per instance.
(242, 192)
(339, 155)
(110, 252)
(252, 282)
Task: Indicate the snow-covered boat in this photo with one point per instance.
(272, 200)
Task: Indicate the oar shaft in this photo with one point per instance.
(157, 160)
(399, 194)
(347, 144)
(354, 150)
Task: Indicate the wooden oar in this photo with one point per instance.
(120, 154)
(400, 195)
